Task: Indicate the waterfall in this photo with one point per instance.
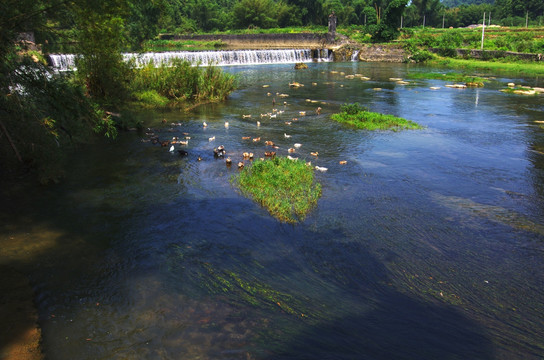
(66, 62)
(355, 55)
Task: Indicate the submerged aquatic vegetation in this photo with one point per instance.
(285, 187)
(359, 116)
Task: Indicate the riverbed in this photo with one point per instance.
(425, 244)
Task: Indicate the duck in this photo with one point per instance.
(342, 162)
(250, 156)
(181, 142)
(302, 113)
(292, 158)
(318, 110)
(245, 138)
(320, 168)
(269, 143)
(240, 165)
(257, 139)
(291, 150)
(297, 145)
(219, 151)
(286, 136)
(314, 153)
(270, 153)
(226, 124)
(172, 148)
(199, 158)
(245, 155)
(258, 123)
(212, 138)
(287, 123)
(228, 161)
(204, 124)
(246, 116)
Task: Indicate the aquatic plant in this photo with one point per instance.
(180, 82)
(452, 76)
(359, 116)
(285, 187)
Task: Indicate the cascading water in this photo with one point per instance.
(65, 62)
(355, 55)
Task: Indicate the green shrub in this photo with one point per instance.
(353, 109)
(421, 56)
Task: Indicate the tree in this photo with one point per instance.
(41, 116)
(388, 28)
(258, 13)
(101, 37)
(143, 20)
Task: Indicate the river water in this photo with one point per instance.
(427, 244)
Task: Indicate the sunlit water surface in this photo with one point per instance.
(427, 244)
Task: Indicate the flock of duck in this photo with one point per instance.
(177, 144)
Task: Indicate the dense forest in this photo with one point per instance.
(145, 19)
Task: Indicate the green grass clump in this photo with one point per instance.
(151, 98)
(181, 83)
(286, 188)
(454, 77)
(359, 116)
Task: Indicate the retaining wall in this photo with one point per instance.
(262, 41)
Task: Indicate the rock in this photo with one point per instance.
(300, 66)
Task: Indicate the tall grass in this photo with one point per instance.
(180, 82)
(283, 186)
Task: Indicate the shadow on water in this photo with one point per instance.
(391, 326)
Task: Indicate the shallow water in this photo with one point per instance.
(427, 244)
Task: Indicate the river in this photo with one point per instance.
(426, 244)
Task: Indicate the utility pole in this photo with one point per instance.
(483, 31)
(424, 21)
(401, 21)
(443, 18)
(489, 19)
(527, 20)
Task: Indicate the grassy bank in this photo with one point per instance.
(513, 67)
(359, 117)
(285, 187)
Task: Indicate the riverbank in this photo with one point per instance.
(20, 335)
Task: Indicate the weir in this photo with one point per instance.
(66, 62)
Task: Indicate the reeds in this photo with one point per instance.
(180, 82)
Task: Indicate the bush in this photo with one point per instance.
(353, 109)
(421, 56)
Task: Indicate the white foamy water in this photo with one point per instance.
(66, 62)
